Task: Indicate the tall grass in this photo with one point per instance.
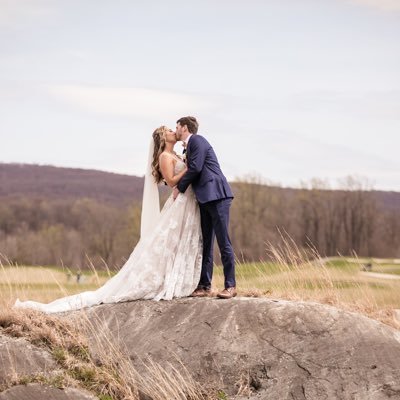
(296, 274)
(292, 274)
(108, 372)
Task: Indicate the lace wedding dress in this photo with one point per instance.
(166, 263)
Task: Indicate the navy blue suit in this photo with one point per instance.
(215, 197)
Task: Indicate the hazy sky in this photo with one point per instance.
(286, 89)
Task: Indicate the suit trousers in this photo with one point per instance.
(214, 223)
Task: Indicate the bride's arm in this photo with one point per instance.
(167, 167)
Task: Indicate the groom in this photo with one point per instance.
(214, 196)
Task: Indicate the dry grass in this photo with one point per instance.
(43, 284)
(293, 275)
(110, 374)
(68, 346)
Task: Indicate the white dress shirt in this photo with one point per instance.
(186, 142)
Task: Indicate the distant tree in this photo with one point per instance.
(258, 211)
(358, 215)
(99, 224)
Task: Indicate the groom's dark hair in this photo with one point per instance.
(190, 122)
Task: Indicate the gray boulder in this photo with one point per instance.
(18, 358)
(262, 348)
(34, 391)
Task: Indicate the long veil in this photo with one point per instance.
(151, 198)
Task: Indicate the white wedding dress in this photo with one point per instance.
(166, 262)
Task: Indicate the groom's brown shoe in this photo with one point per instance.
(227, 293)
(201, 292)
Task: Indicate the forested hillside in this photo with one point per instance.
(64, 216)
(53, 183)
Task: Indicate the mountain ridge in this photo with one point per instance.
(54, 182)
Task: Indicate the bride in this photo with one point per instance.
(166, 262)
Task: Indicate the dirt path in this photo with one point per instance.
(379, 275)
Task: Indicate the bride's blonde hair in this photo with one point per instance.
(159, 146)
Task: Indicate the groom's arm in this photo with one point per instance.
(198, 152)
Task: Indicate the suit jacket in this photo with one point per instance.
(204, 172)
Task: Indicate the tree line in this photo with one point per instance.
(350, 220)
(78, 232)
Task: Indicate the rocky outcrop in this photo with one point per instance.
(18, 358)
(271, 349)
(248, 348)
(34, 391)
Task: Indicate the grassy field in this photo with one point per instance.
(338, 281)
(45, 283)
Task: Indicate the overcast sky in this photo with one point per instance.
(287, 89)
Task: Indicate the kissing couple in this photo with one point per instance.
(174, 256)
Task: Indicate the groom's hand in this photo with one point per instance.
(175, 193)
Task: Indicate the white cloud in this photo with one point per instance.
(385, 5)
(130, 102)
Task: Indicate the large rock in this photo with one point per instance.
(281, 349)
(19, 358)
(34, 391)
